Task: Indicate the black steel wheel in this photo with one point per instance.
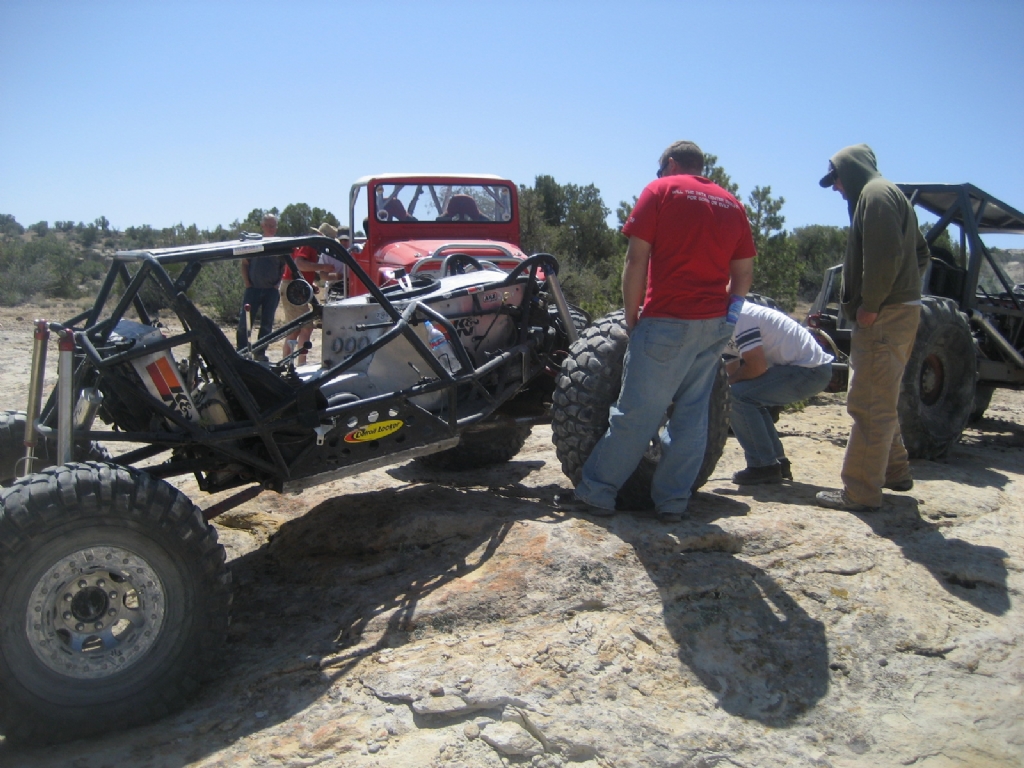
(480, 449)
(937, 393)
(587, 386)
(115, 596)
(12, 448)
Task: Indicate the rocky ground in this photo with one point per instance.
(414, 618)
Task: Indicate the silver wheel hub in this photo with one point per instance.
(95, 612)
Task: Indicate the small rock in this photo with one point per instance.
(471, 731)
(373, 747)
(883, 662)
(436, 689)
(509, 738)
(443, 705)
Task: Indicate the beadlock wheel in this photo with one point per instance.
(95, 610)
(114, 601)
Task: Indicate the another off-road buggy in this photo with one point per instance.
(114, 591)
(971, 337)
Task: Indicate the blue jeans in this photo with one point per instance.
(668, 362)
(752, 421)
(262, 303)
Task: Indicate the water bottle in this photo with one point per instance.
(735, 305)
(441, 347)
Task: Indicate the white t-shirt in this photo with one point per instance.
(785, 341)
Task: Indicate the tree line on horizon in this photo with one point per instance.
(570, 221)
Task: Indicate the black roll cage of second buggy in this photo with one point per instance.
(277, 407)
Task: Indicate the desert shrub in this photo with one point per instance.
(594, 287)
(46, 266)
(219, 289)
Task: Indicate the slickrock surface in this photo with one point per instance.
(413, 618)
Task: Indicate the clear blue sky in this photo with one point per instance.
(197, 112)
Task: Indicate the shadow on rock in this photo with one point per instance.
(749, 642)
(789, 492)
(336, 585)
(972, 573)
(967, 467)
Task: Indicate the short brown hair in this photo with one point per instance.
(687, 154)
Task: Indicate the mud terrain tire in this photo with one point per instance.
(115, 598)
(12, 448)
(587, 386)
(937, 394)
(480, 449)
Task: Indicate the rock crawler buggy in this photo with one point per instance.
(971, 336)
(114, 591)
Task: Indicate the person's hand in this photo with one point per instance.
(866, 319)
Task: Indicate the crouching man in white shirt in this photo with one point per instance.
(776, 361)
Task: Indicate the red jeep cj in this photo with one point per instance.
(432, 223)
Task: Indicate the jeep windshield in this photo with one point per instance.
(442, 202)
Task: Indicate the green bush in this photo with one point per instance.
(219, 288)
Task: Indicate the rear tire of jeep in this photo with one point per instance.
(115, 597)
(937, 393)
(587, 386)
(12, 448)
(480, 449)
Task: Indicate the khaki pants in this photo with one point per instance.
(875, 454)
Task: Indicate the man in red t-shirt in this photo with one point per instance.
(690, 250)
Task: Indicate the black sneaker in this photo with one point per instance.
(759, 475)
(786, 468)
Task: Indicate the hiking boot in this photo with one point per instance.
(905, 484)
(569, 501)
(786, 468)
(839, 500)
(758, 475)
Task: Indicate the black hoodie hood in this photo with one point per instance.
(855, 166)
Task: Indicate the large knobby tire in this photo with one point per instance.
(115, 600)
(12, 448)
(588, 385)
(937, 394)
(480, 449)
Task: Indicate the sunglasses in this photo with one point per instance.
(664, 168)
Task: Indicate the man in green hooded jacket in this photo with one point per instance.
(886, 257)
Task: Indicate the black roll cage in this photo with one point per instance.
(297, 403)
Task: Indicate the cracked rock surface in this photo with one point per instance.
(411, 618)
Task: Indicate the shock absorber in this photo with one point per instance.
(41, 338)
